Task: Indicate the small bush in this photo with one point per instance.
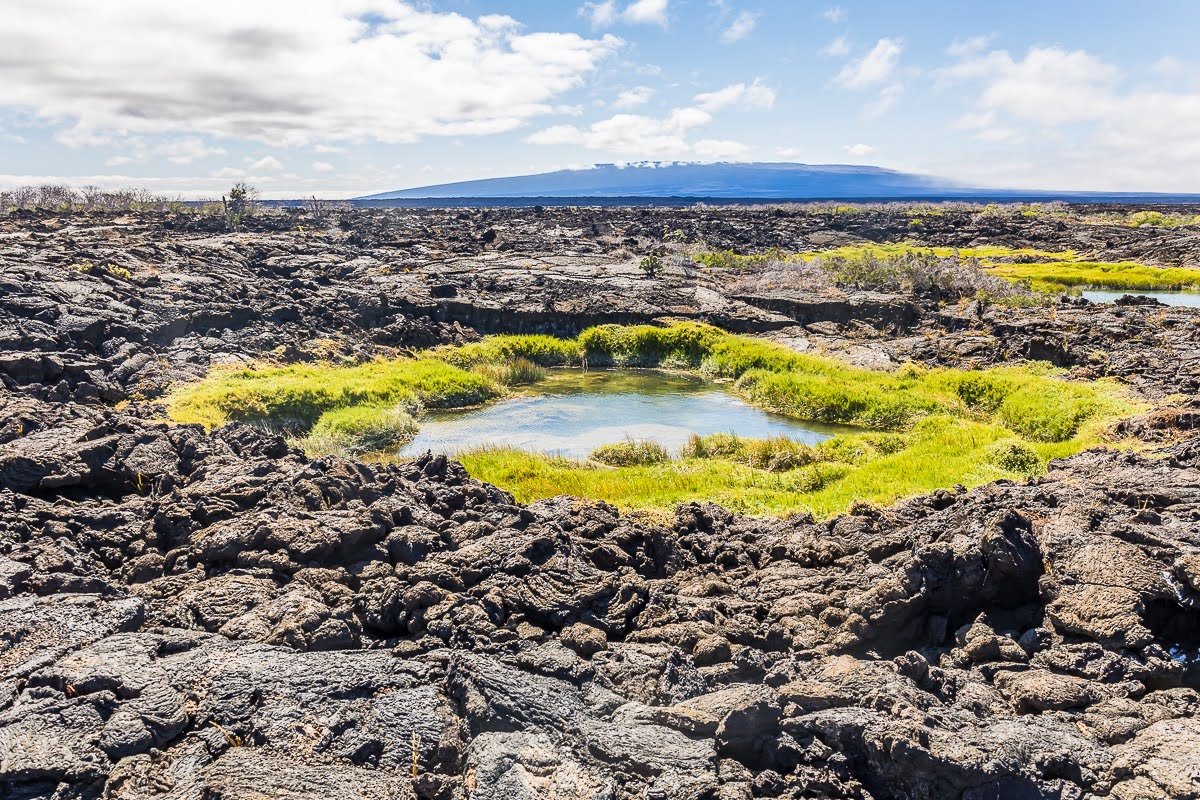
(1014, 456)
(815, 476)
(1159, 219)
(983, 392)
(630, 453)
(651, 265)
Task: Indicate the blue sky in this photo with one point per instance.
(346, 97)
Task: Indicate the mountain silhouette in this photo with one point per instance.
(659, 179)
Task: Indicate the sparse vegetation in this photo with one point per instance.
(88, 267)
(1009, 276)
(238, 204)
(63, 198)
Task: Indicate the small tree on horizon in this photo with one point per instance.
(238, 204)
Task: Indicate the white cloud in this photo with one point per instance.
(719, 150)
(1090, 129)
(835, 14)
(838, 48)
(646, 12)
(1170, 66)
(631, 134)
(874, 68)
(267, 164)
(754, 95)
(287, 72)
(183, 150)
(888, 97)
(858, 150)
(322, 166)
(229, 172)
(631, 98)
(601, 14)
(646, 137)
(740, 28)
(186, 150)
(789, 153)
(961, 48)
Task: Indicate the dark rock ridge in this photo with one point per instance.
(185, 615)
(383, 282)
(191, 616)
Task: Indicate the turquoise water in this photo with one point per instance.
(572, 412)
(1186, 299)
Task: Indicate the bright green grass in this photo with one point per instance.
(1060, 275)
(942, 424)
(298, 395)
(940, 452)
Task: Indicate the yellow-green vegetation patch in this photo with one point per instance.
(1158, 219)
(317, 395)
(1041, 270)
(922, 428)
(938, 452)
(893, 250)
(1060, 275)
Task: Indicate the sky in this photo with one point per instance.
(339, 98)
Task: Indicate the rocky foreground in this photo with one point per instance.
(185, 615)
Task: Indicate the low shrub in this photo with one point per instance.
(1015, 456)
(1159, 219)
(631, 453)
(984, 391)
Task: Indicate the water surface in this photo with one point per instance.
(1186, 299)
(572, 412)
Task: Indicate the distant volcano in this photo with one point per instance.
(776, 181)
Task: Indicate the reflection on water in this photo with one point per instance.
(574, 412)
(1186, 299)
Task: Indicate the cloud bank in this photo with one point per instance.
(287, 72)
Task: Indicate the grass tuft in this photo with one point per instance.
(363, 429)
(517, 372)
(631, 453)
